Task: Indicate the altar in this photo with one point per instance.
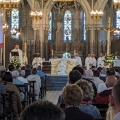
(116, 63)
(62, 66)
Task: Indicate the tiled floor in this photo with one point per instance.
(52, 96)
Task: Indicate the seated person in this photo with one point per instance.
(2, 90)
(42, 110)
(74, 76)
(110, 81)
(96, 80)
(37, 84)
(88, 94)
(81, 70)
(73, 96)
(103, 74)
(66, 55)
(27, 70)
(19, 80)
(105, 88)
(11, 68)
(7, 81)
(37, 61)
(42, 75)
(21, 76)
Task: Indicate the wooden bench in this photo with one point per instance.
(27, 98)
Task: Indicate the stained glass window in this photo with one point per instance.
(84, 29)
(67, 26)
(15, 22)
(50, 27)
(117, 24)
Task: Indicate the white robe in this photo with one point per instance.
(79, 61)
(87, 62)
(19, 52)
(100, 61)
(93, 61)
(37, 61)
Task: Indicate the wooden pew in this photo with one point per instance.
(32, 86)
(6, 97)
(102, 108)
(24, 89)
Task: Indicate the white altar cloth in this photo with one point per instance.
(62, 66)
(116, 63)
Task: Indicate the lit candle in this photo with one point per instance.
(52, 52)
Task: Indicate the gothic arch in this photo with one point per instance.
(101, 3)
(83, 3)
(31, 4)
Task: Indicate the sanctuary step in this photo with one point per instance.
(56, 82)
(46, 68)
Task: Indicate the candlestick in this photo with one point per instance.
(74, 52)
(52, 52)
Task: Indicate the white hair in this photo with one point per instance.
(15, 74)
(22, 73)
(89, 73)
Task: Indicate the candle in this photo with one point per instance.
(52, 52)
(74, 52)
(25, 48)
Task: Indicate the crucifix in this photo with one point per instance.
(109, 29)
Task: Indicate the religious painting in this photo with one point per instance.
(67, 26)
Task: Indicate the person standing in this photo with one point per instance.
(79, 61)
(100, 61)
(87, 61)
(16, 49)
(92, 61)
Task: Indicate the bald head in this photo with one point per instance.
(110, 81)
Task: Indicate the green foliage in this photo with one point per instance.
(16, 62)
(109, 59)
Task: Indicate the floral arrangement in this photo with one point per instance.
(16, 62)
(109, 59)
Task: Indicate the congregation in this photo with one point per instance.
(88, 88)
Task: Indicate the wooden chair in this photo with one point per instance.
(102, 108)
(43, 88)
(32, 86)
(24, 89)
(7, 112)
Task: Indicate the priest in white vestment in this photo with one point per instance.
(37, 61)
(79, 61)
(16, 49)
(87, 61)
(92, 61)
(100, 61)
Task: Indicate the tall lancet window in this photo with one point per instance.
(50, 27)
(84, 28)
(67, 26)
(15, 23)
(117, 23)
(83, 22)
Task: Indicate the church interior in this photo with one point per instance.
(50, 32)
(50, 47)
